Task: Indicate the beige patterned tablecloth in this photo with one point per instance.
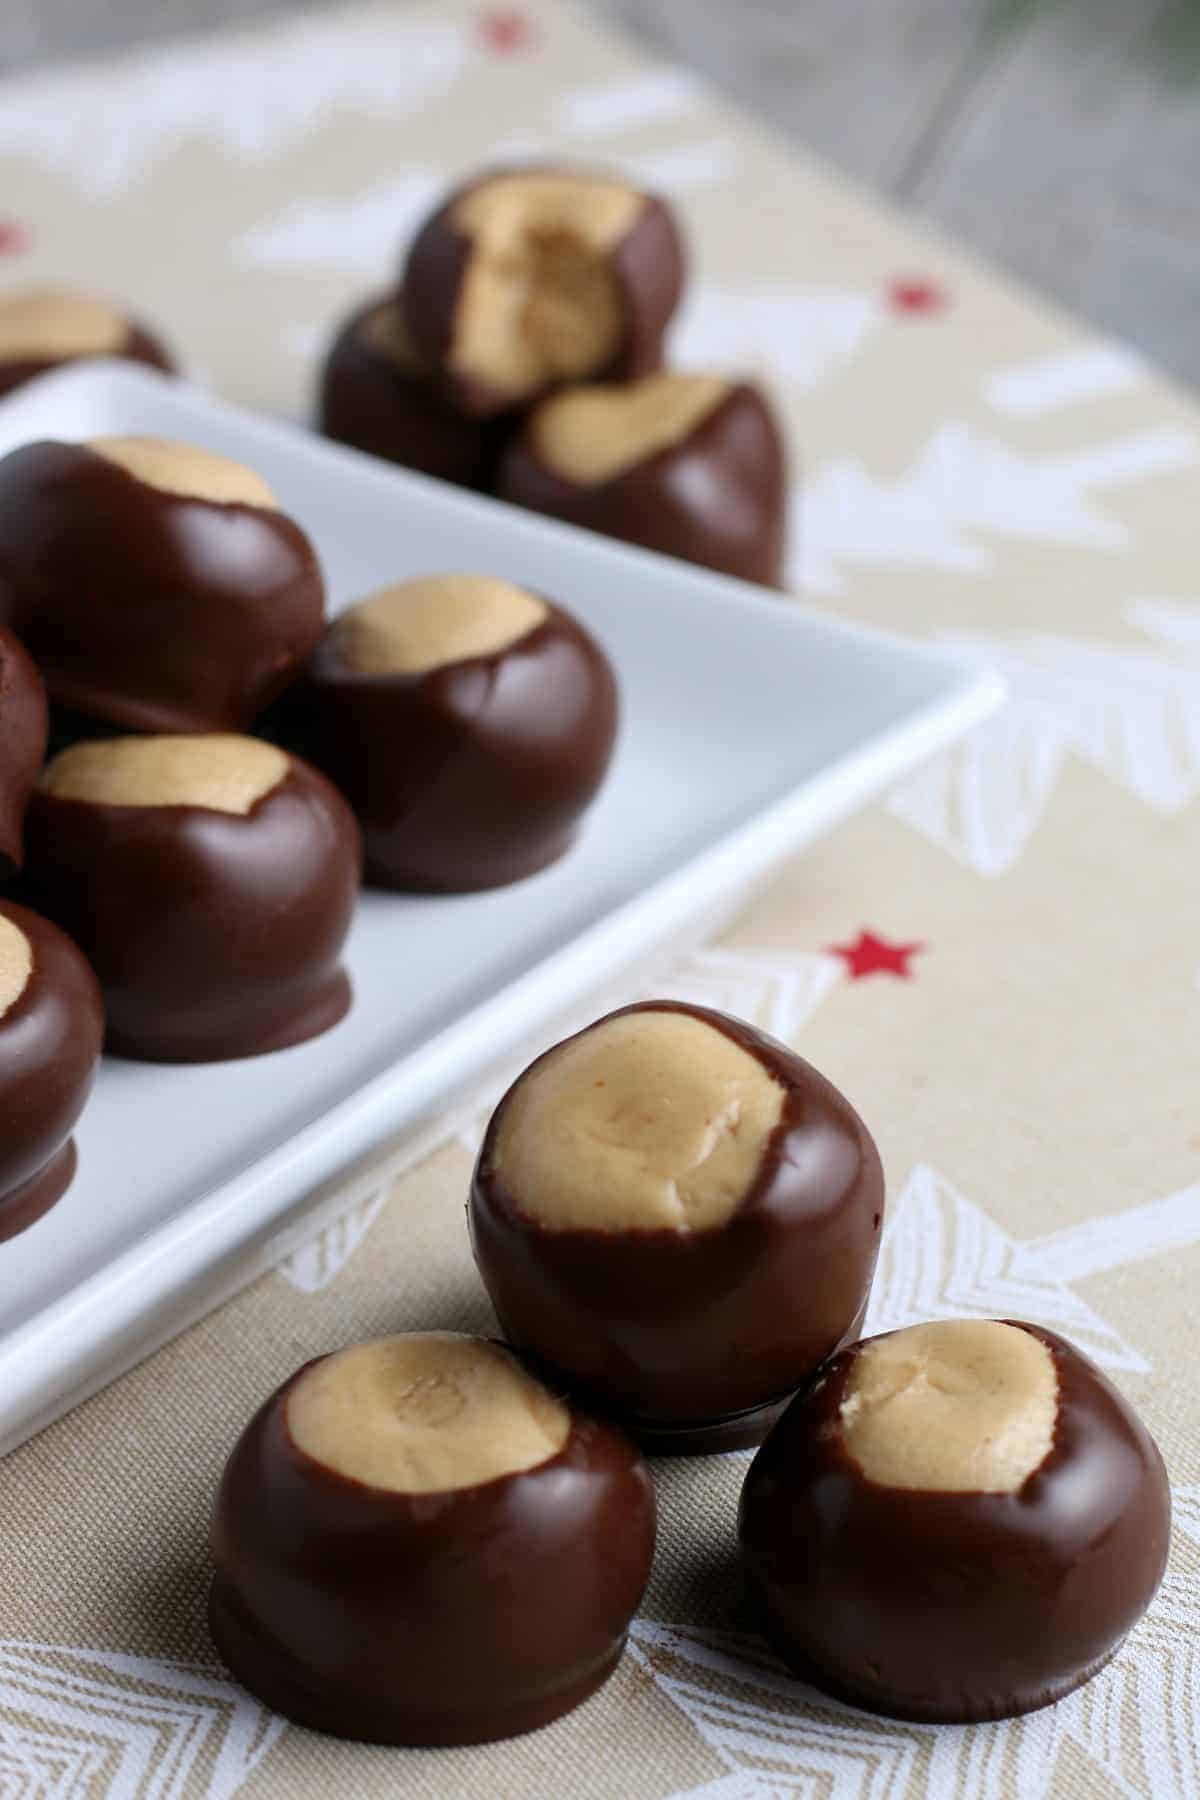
(1000, 963)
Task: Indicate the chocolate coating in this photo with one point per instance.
(696, 1340)
(141, 346)
(954, 1607)
(145, 609)
(648, 265)
(471, 774)
(372, 402)
(213, 934)
(49, 1049)
(718, 497)
(449, 1618)
(23, 731)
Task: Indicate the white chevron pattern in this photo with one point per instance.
(363, 235)
(794, 334)
(1134, 1723)
(252, 98)
(942, 1256)
(1186, 1502)
(1132, 713)
(315, 1264)
(75, 1724)
(963, 489)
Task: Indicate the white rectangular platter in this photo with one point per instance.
(749, 725)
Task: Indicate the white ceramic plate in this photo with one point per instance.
(750, 725)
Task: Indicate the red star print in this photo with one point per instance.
(506, 32)
(917, 297)
(13, 237)
(871, 955)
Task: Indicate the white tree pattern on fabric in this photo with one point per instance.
(1185, 1503)
(1132, 713)
(1045, 384)
(800, 335)
(676, 170)
(684, 167)
(649, 97)
(1175, 623)
(364, 235)
(75, 1723)
(942, 1256)
(776, 989)
(962, 484)
(322, 1259)
(777, 1736)
(248, 97)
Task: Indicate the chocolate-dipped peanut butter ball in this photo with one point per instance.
(417, 1543)
(957, 1521)
(680, 1218)
(210, 881)
(157, 585)
(469, 724)
(691, 465)
(528, 277)
(42, 330)
(23, 731)
(51, 1025)
(376, 397)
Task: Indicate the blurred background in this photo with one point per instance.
(1059, 137)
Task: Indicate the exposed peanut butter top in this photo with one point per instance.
(16, 964)
(956, 1406)
(425, 1412)
(649, 1120)
(220, 770)
(540, 300)
(51, 326)
(591, 434)
(186, 471)
(433, 621)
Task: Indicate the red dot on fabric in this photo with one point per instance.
(506, 32)
(14, 237)
(917, 297)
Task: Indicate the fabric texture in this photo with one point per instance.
(1000, 963)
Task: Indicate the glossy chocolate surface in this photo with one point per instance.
(718, 497)
(49, 1049)
(213, 934)
(448, 1618)
(372, 402)
(953, 1607)
(469, 775)
(648, 265)
(145, 609)
(696, 1339)
(141, 346)
(23, 730)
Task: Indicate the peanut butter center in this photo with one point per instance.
(219, 770)
(956, 1406)
(53, 327)
(425, 1413)
(186, 471)
(540, 300)
(16, 963)
(647, 1121)
(433, 621)
(589, 435)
